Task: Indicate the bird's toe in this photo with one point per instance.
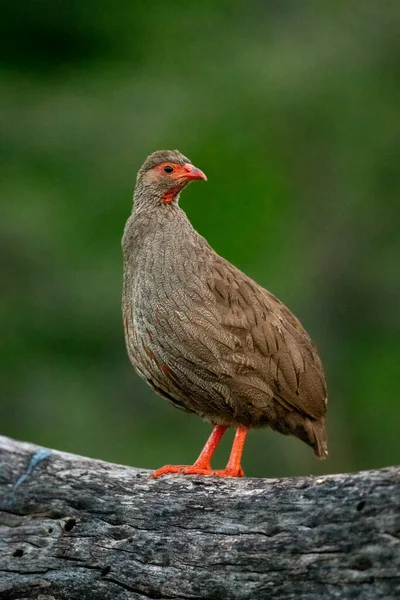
(236, 472)
(167, 470)
(193, 470)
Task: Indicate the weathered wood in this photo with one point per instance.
(76, 528)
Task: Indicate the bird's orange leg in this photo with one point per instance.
(233, 468)
(202, 466)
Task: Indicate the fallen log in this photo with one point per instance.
(76, 528)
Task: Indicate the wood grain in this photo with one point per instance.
(76, 528)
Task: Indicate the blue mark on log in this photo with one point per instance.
(37, 458)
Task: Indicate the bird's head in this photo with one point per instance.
(165, 173)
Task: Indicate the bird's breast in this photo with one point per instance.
(161, 280)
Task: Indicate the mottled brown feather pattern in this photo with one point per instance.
(209, 338)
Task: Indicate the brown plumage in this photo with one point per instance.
(206, 336)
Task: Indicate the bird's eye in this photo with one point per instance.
(169, 169)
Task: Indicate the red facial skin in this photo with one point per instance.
(179, 177)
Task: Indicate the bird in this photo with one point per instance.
(207, 337)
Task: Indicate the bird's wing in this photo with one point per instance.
(270, 344)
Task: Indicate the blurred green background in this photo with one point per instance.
(292, 110)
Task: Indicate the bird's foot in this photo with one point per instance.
(196, 470)
(182, 470)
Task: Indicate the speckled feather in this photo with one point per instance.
(206, 336)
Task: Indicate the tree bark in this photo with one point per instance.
(76, 528)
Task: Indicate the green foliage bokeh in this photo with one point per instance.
(291, 109)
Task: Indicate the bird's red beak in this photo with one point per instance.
(193, 172)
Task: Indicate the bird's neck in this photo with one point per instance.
(149, 200)
(155, 227)
(162, 251)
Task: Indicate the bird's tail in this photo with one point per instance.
(321, 445)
